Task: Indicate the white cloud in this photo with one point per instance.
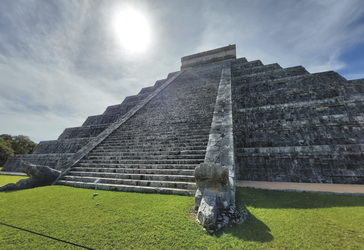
(309, 33)
(60, 62)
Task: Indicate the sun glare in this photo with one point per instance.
(132, 30)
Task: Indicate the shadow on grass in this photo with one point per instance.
(256, 230)
(251, 230)
(258, 198)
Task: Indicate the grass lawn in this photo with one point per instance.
(5, 179)
(277, 220)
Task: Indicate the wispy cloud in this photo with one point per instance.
(312, 33)
(61, 62)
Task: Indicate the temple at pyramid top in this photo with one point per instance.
(210, 56)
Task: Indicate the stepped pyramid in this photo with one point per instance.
(286, 125)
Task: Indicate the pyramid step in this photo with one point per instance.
(164, 147)
(138, 166)
(146, 148)
(257, 69)
(138, 136)
(133, 161)
(337, 150)
(105, 148)
(131, 182)
(155, 142)
(152, 177)
(128, 188)
(136, 170)
(173, 125)
(197, 130)
(143, 132)
(131, 156)
(273, 74)
(290, 83)
(150, 152)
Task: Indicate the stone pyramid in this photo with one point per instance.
(261, 122)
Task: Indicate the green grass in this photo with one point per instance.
(277, 220)
(5, 179)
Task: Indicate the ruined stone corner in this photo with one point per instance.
(215, 198)
(40, 175)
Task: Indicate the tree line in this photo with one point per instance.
(14, 145)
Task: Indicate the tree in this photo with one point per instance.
(6, 137)
(13, 145)
(5, 150)
(22, 145)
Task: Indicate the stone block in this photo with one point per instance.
(213, 173)
(207, 213)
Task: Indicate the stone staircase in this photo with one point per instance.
(156, 162)
(157, 149)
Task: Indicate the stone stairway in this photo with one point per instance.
(157, 149)
(162, 163)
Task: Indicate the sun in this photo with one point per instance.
(132, 30)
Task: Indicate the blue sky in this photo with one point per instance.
(61, 61)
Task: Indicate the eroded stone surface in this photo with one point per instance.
(213, 180)
(207, 213)
(230, 215)
(39, 176)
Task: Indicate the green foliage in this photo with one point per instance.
(5, 179)
(22, 144)
(13, 145)
(118, 220)
(5, 150)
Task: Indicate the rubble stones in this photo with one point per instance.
(230, 215)
(224, 217)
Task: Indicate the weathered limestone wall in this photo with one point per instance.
(13, 164)
(290, 125)
(61, 146)
(94, 125)
(207, 57)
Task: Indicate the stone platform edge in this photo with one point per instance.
(12, 173)
(208, 57)
(321, 188)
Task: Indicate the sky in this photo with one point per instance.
(62, 61)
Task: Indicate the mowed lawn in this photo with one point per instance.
(5, 179)
(118, 220)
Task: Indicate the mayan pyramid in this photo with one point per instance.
(287, 125)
